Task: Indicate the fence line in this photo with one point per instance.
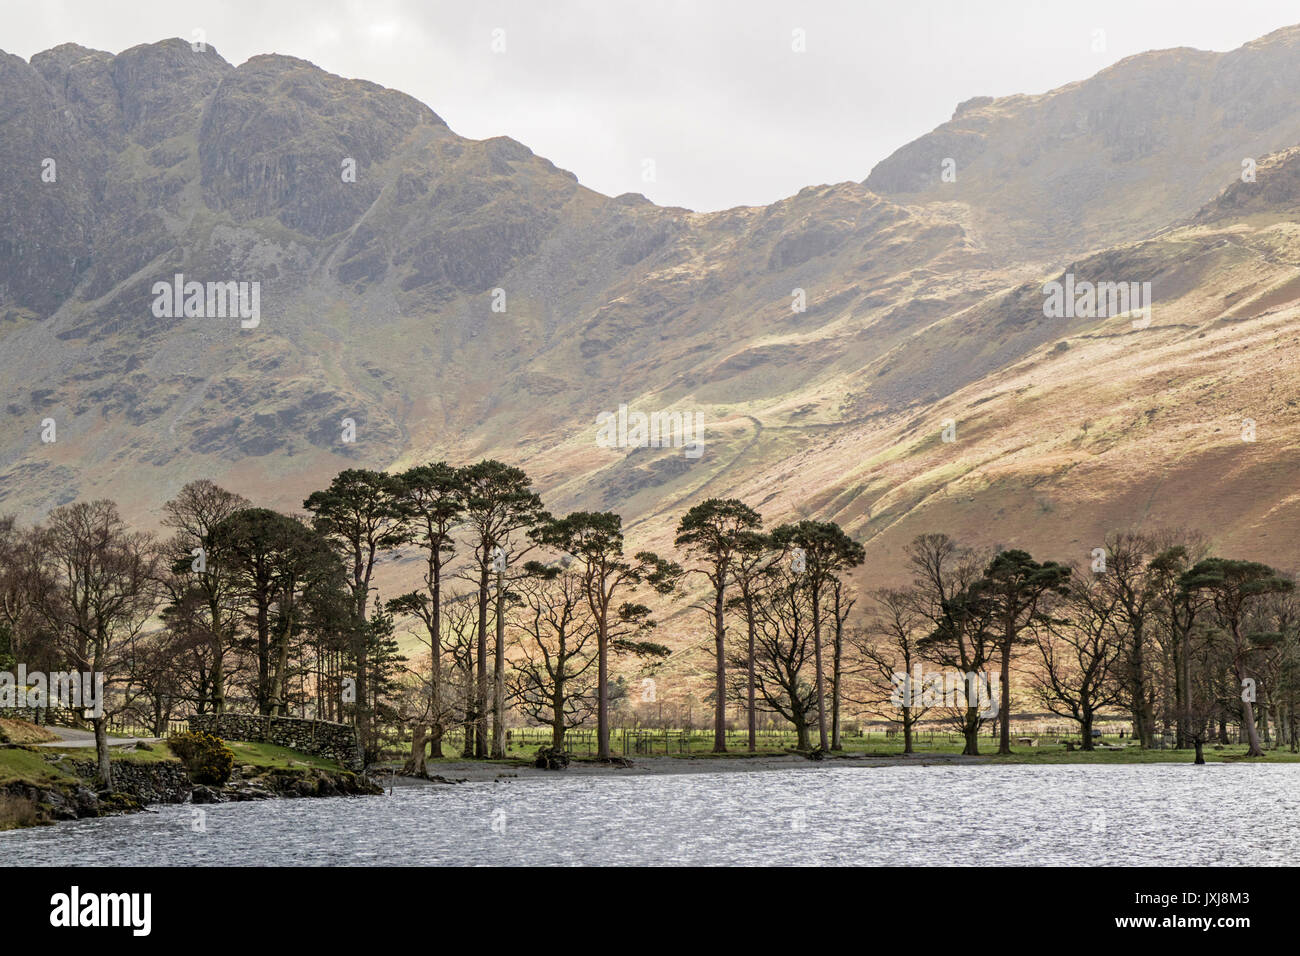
(632, 741)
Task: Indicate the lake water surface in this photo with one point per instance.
(1220, 814)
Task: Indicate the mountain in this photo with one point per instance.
(465, 298)
(1109, 159)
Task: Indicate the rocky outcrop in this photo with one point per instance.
(51, 802)
(276, 137)
(136, 784)
(252, 784)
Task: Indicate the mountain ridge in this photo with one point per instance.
(377, 296)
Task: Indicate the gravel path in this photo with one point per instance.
(71, 737)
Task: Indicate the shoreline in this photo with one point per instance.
(459, 770)
(51, 786)
(475, 771)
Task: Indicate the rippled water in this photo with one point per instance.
(1177, 815)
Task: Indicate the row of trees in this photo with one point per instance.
(245, 606)
(560, 596)
(1156, 627)
(522, 611)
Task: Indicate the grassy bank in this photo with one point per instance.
(19, 768)
(27, 766)
(21, 732)
(274, 757)
(32, 778)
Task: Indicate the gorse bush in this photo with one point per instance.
(207, 758)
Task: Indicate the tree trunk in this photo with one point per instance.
(1200, 754)
(602, 681)
(467, 702)
(263, 654)
(1187, 696)
(218, 694)
(470, 724)
(1141, 726)
(907, 729)
(499, 690)
(1004, 740)
(823, 741)
(362, 703)
(836, 673)
(1182, 728)
(416, 763)
(1252, 734)
(105, 775)
(1085, 725)
(481, 689)
(557, 716)
(1247, 706)
(971, 731)
(720, 675)
(753, 714)
(279, 688)
(435, 677)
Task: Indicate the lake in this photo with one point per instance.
(1220, 814)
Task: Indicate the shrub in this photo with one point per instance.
(207, 758)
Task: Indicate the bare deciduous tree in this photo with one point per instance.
(99, 584)
(1080, 646)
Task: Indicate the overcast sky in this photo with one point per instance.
(712, 91)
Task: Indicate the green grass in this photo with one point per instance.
(274, 757)
(158, 753)
(266, 756)
(1231, 753)
(27, 767)
(31, 767)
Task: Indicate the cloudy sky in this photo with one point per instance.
(712, 91)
